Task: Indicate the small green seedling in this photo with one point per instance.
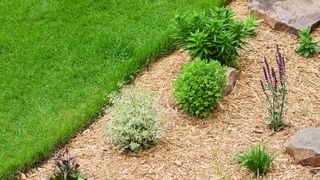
(308, 46)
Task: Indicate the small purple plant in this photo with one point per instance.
(275, 89)
(66, 166)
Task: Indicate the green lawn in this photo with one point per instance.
(61, 58)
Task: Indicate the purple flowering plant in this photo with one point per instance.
(274, 87)
(66, 167)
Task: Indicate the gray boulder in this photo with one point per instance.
(304, 147)
(288, 15)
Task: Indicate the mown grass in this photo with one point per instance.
(60, 59)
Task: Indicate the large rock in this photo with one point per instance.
(288, 15)
(304, 146)
(232, 77)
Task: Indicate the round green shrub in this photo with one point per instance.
(135, 123)
(198, 89)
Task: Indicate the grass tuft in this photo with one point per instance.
(257, 159)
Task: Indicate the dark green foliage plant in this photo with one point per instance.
(308, 46)
(213, 35)
(185, 24)
(199, 45)
(257, 159)
(275, 89)
(66, 167)
(198, 88)
(135, 123)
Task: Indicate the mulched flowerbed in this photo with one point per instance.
(191, 145)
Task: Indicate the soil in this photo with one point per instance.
(191, 146)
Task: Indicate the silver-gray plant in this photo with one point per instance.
(135, 122)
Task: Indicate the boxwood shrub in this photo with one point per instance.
(198, 89)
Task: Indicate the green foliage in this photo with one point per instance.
(199, 45)
(66, 167)
(213, 35)
(185, 24)
(135, 123)
(60, 59)
(257, 159)
(308, 47)
(198, 89)
(250, 24)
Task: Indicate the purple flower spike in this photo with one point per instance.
(263, 88)
(275, 79)
(278, 51)
(281, 66)
(278, 61)
(267, 66)
(279, 54)
(265, 74)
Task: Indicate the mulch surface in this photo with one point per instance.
(191, 146)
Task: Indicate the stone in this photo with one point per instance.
(232, 77)
(304, 147)
(288, 15)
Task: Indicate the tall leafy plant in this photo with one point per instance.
(213, 35)
(185, 24)
(275, 89)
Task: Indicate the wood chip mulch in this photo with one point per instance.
(191, 146)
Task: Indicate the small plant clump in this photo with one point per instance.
(135, 125)
(275, 89)
(308, 46)
(213, 35)
(257, 159)
(198, 88)
(66, 167)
